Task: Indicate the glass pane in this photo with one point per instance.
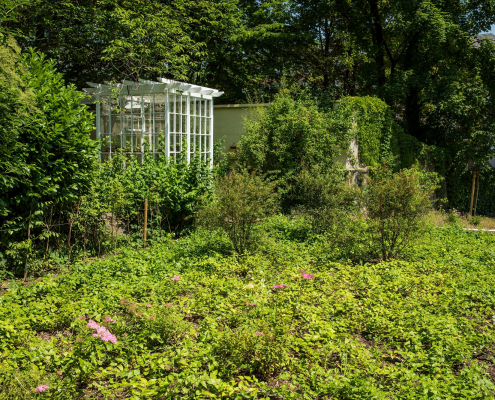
(177, 143)
(115, 123)
(116, 141)
(177, 123)
(104, 106)
(127, 104)
(159, 123)
(105, 143)
(104, 120)
(207, 108)
(147, 103)
(148, 123)
(115, 105)
(137, 123)
(172, 103)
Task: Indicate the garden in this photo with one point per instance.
(344, 248)
(186, 319)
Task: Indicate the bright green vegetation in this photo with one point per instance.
(412, 329)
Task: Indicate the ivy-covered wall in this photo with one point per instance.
(380, 138)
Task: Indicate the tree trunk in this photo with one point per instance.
(378, 41)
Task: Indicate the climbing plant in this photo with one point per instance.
(380, 139)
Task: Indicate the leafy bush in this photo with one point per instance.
(52, 147)
(453, 217)
(325, 197)
(475, 220)
(241, 200)
(174, 191)
(290, 134)
(396, 205)
(334, 213)
(47, 156)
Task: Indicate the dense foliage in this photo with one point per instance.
(241, 201)
(47, 154)
(426, 59)
(288, 134)
(421, 328)
(175, 191)
(395, 209)
(109, 213)
(380, 139)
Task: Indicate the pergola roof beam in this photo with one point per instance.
(148, 87)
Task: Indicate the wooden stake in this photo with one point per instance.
(472, 193)
(145, 221)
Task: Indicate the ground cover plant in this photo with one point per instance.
(187, 319)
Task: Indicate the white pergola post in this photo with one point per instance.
(211, 133)
(167, 124)
(98, 125)
(188, 128)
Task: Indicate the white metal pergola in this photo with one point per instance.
(164, 117)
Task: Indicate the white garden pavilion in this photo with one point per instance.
(164, 117)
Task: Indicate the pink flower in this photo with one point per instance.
(308, 276)
(251, 304)
(175, 278)
(258, 333)
(92, 324)
(148, 305)
(41, 388)
(111, 320)
(280, 286)
(101, 332)
(302, 271)
(105, 335)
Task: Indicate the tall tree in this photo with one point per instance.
(104, 39)
(422, 57)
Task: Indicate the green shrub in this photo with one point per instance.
(475, 220)
(453, 217)
(324, 196)
(291, 134)
(334, 212)
(241, 200)
(396, 205)
(174, 191)
(47, 158)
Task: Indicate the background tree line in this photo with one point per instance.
(424, 58)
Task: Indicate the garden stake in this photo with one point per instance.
(145, 221)
(472, 193)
